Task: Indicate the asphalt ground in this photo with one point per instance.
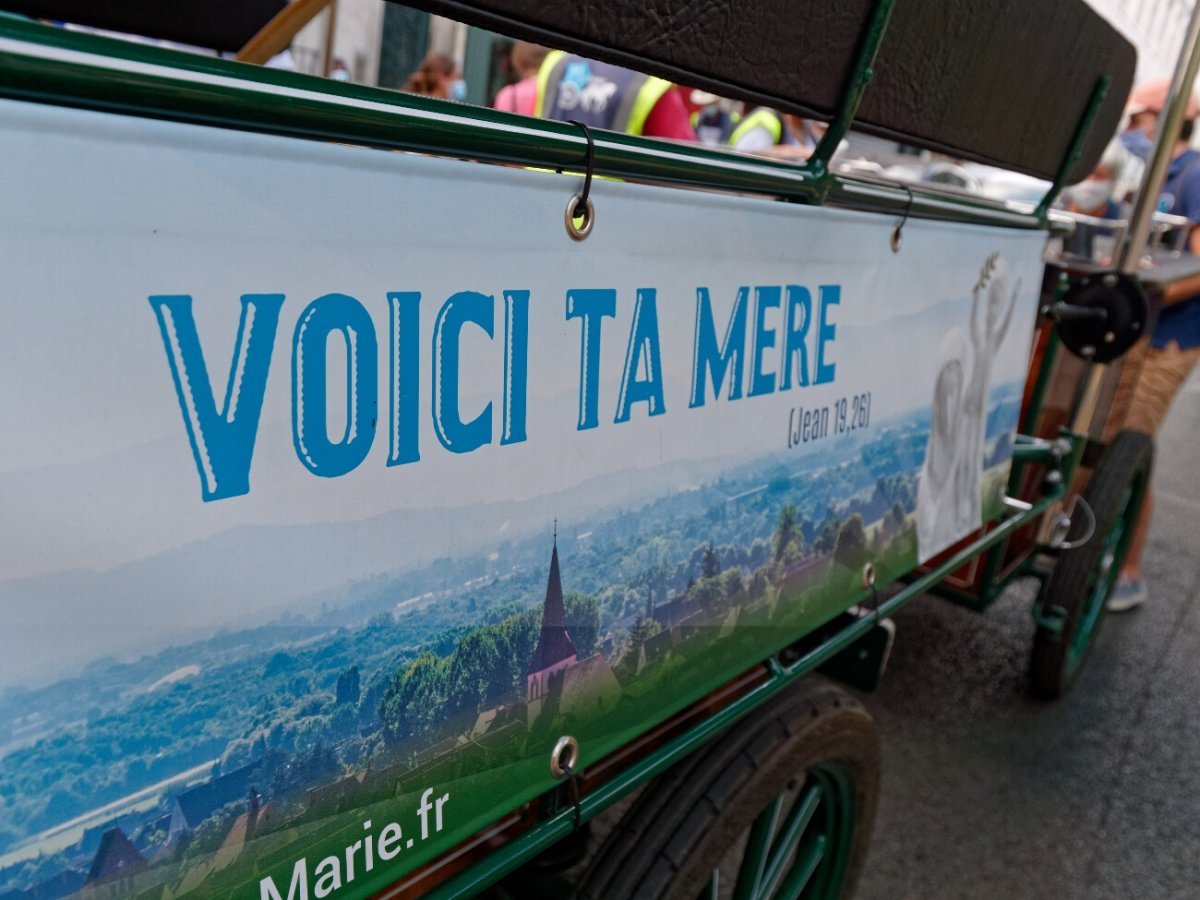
(988, 793)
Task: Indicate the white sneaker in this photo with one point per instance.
(1127, 595)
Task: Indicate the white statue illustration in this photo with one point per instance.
(950, 492)
(985, 343)
(937, 507)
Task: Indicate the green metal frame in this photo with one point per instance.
(1099, 92)
(89, 72)
(818, 164)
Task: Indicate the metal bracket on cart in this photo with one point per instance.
(1100, 316)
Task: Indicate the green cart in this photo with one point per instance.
(551, 463)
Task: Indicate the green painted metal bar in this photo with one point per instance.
(507, 859)
(860, 77)
(803, 871)
(758, 846)
(51, 65)
(781, 849)
(1099, 92)
(992, 586)
(1035, 450)
(1042, 383)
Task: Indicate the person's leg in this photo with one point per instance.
(1163, 373)
(1130, 590)
(1132, 569)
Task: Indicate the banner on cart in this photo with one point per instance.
(339, 483)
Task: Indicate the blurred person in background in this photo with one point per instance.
(340, 71)
(1095, 197)
(600, 95)
(712, 118)
(437, 76)
(768, 132)
(521, 97)
(1146, 392)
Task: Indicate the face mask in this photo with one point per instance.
(1090, 195)
(1137, 142)
(458, 90)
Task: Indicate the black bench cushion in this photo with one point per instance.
(996, 81)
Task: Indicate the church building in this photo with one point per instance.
(557, 681)
(555, 650)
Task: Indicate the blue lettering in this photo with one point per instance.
(642, 354)
(799, 313)
(707, 358)
(831, 295)
(591, 306)
(516, 366)
(222, 442)
(404, 311)
(766, 298)
(456, 435)
(310, 372)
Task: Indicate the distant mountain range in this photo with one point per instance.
(250, 574)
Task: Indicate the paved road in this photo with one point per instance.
(989, 794)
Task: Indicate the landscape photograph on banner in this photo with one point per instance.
(316, 555)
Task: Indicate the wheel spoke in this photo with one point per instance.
(713, 891)
(781, 849)
(758, 847)
(802, 872)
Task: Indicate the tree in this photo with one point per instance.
(733, 583)
(414, 698)
(786, 531)
(348, 686)
(643, 630)
(516, 638)
(368, 704)
(344, 721)
(583, 623)
(851, 547)
(709, 592)
(476, 675)
(827, 536)
(712, 566)
(306, 769)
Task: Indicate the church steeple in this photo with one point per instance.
(554, 647)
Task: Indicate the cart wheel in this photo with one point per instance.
(781, 806)
(1072, 602)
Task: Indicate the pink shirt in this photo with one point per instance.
(519, 98)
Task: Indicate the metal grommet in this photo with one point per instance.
(565, 757)
(586, 215)
(868, 575)
(898, 231)
(580, 205)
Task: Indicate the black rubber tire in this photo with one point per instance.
(666, 844)
(1126, 461)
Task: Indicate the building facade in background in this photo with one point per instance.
(1155, 27)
